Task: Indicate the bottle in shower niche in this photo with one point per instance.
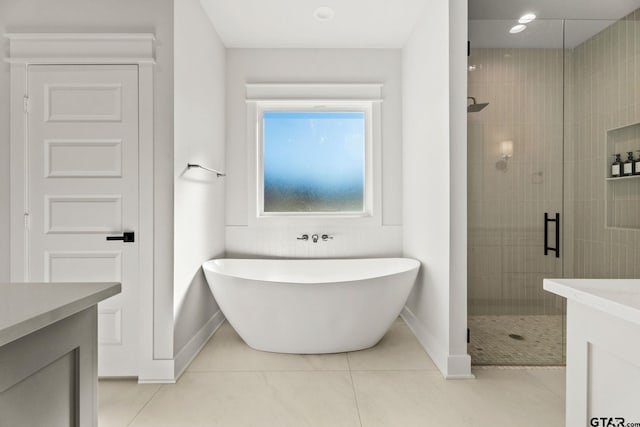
(636, 171)
(628, 167)
(616, 167)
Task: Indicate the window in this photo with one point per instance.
(314, 159)
(315, 154)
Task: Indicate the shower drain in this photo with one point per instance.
(516, 337)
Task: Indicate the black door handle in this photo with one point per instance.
(127, 237)
(548, 248)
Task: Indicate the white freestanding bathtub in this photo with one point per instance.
(311, 306)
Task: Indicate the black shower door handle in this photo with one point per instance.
(548, 248)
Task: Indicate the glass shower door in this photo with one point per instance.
(515, 201)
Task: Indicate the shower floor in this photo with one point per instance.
(534, 340)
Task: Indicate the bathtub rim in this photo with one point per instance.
(212, 264)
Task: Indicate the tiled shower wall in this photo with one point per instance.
(507, 199)
(524, 88)
(605, 95)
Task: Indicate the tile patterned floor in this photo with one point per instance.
(394, 384)
(542, 340)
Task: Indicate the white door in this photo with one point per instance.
(82, 186)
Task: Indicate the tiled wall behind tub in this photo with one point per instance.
(506, 207)
(605, 103)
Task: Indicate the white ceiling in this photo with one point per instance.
(290, 23)
(388, 23)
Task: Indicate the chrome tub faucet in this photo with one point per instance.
(315, 237)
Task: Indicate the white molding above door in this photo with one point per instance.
(27, 49)
(80, 48)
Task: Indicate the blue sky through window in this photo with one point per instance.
(314, 161)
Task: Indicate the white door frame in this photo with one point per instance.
(92, 48)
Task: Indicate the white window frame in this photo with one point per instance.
(312, 106)
(315, 97)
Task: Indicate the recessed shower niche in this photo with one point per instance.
(622, 194)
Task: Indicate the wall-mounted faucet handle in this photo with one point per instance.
(326, 237)
(303, 237)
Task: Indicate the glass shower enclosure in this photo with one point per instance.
(563, 98)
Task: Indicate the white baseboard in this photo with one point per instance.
(451, 366)
(459, 367)
(157, 371)
(184, 358)
(438, 356)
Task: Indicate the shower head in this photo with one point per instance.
(474, 107)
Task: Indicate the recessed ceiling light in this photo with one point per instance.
(324, 13)
(525, 19)
(517, 29)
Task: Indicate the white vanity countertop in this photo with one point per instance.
(617, 297)
(27, 307)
